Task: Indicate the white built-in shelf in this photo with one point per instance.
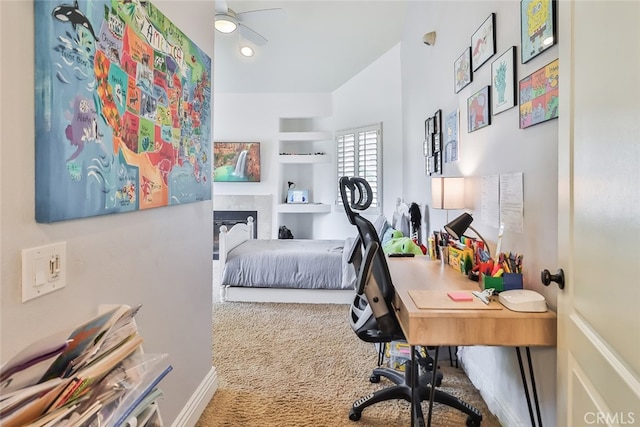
(304, 158)
(305, 136)
(304, 208)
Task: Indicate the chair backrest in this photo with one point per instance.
(374, 280)
(356, 194)
(375, 283)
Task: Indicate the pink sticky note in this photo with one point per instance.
(460, 296)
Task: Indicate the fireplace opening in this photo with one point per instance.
(230, 218)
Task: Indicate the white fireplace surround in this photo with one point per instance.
(263, 204)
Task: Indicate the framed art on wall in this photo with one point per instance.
(537, 27)
(236, 161)
(429, 165)
(483, 42)
(451, 137)
(503, 82)
(478, 111)
(462, 74)
(427, 144)
(122, 110)
(538, 94)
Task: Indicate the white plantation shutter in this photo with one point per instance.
(359, 154)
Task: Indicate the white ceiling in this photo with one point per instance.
(314, 46)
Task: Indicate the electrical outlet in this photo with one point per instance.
(44, 270)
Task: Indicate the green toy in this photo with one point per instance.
(401, 244)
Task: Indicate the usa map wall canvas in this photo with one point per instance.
(122, 110)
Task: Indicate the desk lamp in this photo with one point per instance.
(458, 226)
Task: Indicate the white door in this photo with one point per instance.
(599, 213)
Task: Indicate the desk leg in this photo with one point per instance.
(526, 386)
(417, 417)
(434, 374)
(415, 399)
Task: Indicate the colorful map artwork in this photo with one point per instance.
(123, 110)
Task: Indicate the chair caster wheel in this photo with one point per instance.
(354, 416)
(375, 379)
(472, 422)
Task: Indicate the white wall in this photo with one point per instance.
(427, 85)
(256, 117)
(160, 258)
(371, 96)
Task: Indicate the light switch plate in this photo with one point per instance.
(44, 270)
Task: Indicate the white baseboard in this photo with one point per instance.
(476, 374)
(304, 296)
(199, 400)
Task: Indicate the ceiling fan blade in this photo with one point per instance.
(221, 6)
(252, 36)
(271, 14)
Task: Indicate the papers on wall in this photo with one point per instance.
(512, 202)
(502, 200)
(489, 202)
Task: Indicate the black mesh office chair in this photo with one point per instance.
(377, 322)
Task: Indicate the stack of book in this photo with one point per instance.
(96, 376)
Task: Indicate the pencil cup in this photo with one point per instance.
(496, 283)
(444, 255)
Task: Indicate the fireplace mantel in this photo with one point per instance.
(263, 204)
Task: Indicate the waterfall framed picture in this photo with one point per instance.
(236, 162)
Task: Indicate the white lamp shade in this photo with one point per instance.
(447, 193)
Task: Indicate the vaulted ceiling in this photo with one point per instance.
(313, 47)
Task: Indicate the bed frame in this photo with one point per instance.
(239, 233)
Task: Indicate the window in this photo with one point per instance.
(360, 154)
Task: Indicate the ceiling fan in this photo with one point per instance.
(227, 21)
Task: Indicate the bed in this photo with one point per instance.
(283, 270)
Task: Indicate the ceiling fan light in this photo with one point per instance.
(246, 51)
(226, 23)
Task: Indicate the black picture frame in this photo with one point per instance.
(427, 144)
(538, 95)
(436, 143)
(536, 39)
(462, 72)
(429, 165)
(483, 42)
(479, 109)
(503, 82)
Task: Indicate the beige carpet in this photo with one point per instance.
(302, 365)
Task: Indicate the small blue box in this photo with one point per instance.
(512, 281)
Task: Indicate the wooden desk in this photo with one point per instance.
(446, 327)
(452, 327)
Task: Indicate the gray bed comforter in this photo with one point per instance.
(296, 263)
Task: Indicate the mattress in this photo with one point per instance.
(292, 263)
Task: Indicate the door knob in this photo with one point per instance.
(546, 277)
